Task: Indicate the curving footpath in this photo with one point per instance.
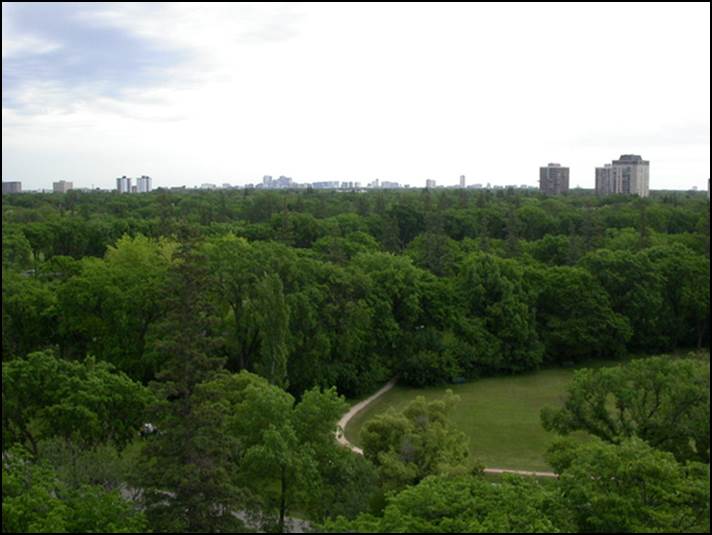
(353, 411)
(361, 405)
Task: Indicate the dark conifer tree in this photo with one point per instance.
(186, 468)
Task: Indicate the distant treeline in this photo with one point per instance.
(322, 288)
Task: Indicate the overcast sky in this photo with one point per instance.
(194, 93)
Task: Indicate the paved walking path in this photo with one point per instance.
(519, 472)
(353, 411)
(361, 405)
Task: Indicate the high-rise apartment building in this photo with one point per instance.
(629, 174)
(462, 181)
(554, 179)
(143, 184)
(608, 180)
(123, 184)
(62, 186)
(11, 187)
(429, 183)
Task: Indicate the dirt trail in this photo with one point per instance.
(361, 405)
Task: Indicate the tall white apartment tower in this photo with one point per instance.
(143, 184)
(123, 184)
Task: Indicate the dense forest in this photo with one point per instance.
(235, 321)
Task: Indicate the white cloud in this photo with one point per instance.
(27, 44)
(405, 92)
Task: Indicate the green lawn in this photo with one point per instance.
(499, 415)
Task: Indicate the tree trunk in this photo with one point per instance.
(282, 500)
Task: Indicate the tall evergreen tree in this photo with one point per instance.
(186, 468)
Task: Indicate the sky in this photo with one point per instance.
(226, 93)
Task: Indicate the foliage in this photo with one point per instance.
(459, 283)
(417, 442)
(463, 504)
(104, 465)
(34, 500)
(29, 314)
(186, 469)
(283, 450)
(685, 293)
(499, 312)
(273, 318)
(662, 400)
(325, 292)
(631, 487)
(575, 318)
(87, 403)
(634, 288)
(110, 307)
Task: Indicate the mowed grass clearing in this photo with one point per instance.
(499, 415)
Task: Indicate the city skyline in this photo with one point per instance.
(549, 182)
(193, 94)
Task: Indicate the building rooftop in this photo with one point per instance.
(631, 159)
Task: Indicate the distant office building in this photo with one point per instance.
(11, 187)
(143, 184)
(430, 183)
(123, 184)
(208, 186)
(62, 186)
(327, 184)
(629, 175)
(554, 179)
(462, 181)
(267, 181)
(390, 185)
(282, 182)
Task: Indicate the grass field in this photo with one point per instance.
(499, 415)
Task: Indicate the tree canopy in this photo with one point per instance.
(664, 401)
(227, 325)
